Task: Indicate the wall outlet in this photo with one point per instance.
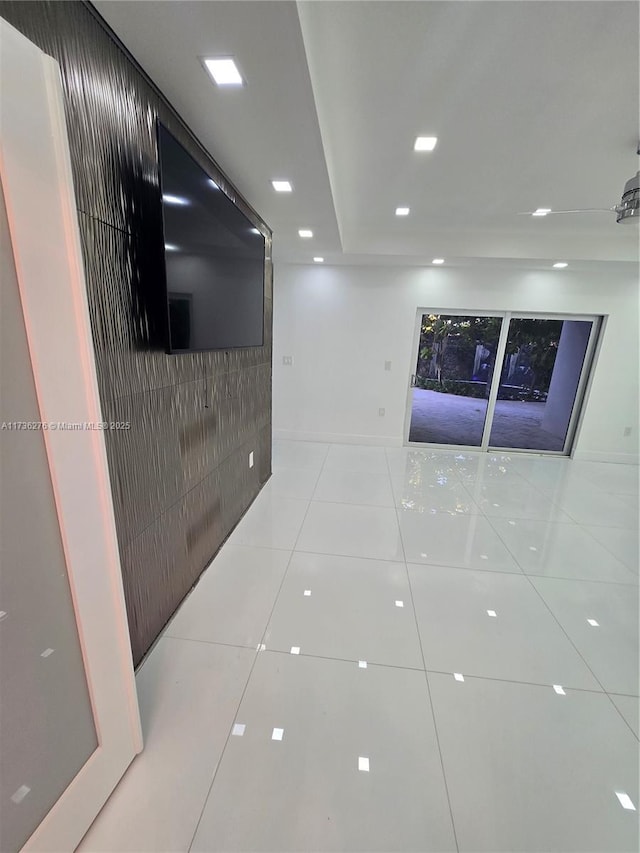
(381, 412)
(251, 459)
(387, 365)
(627, 431)
(287, 360)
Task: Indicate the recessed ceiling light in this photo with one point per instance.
(437, 261)
(425, 143)
(281, 186)
(541, 211)
(254, 230)
(560, 265)
(224, 72)
(174, 199)
(402, 211)
(305, 232)
(318, 261)
(213, 184)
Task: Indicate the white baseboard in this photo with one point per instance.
(394, 441)
(338, 438)
(597, 456)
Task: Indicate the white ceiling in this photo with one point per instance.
(535, 104)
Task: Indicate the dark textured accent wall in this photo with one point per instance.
(180, 477)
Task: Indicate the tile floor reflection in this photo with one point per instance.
(338, 681)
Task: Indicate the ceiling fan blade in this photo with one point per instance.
(579, 210)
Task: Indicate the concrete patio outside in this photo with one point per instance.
(439, 418)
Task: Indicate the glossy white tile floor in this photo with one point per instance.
(393, 652)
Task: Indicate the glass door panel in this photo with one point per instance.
(539, 382)
(454, 369)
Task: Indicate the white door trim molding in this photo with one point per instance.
(35, 169)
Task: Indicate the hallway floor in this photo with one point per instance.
(400, 650)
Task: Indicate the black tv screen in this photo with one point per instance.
(214, 259)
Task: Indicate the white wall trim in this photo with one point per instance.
(617, 458)
(338, 438)
(35, 168)
(391, 441)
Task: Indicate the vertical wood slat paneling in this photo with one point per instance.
(180, 477)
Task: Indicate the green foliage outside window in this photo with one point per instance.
(448, 345)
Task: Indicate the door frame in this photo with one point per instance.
(35, 170)
(588, 366)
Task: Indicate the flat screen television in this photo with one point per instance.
(214, 259)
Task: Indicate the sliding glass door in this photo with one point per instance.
(530, 401)
(454, 370)
(539, 380)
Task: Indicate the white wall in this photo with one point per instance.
(341, 323)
